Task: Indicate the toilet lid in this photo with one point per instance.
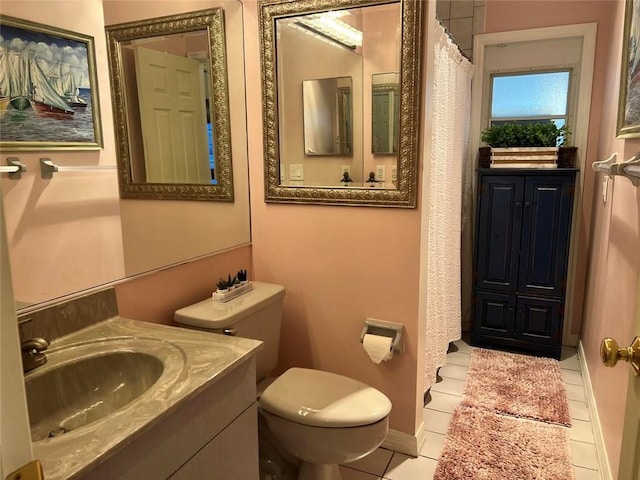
(324, 399)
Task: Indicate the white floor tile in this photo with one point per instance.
(586, 474)
(579, 410)
(463, 347)
(454, 371)
(572, 377)
(375, 463)
(432, 446)
(449, 385)
(403, 467)
(443, 402)
(581, 431)
(350, 474)
(569, 359)
(575, 392)
(436, 422)
(584, 455)
(458, 358)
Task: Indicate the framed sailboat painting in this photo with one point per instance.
(48, 88)
(629, 104)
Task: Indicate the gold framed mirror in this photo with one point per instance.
(171, 107)
(297, 47)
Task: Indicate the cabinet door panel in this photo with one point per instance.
(232, 455)
(539, 321)
(545, 235)
(494, 314)
(498, 236)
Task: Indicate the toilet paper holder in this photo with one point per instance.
(384, 329)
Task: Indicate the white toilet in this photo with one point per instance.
(321, 418)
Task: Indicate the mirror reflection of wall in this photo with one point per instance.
(385, 112)
(73, 232)
(315, 147)
(328, 124)
(312, 74)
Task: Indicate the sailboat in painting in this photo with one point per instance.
(24, 82)
(66, 83)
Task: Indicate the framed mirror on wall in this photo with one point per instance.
(171, 107)
(334, 69)
(79, 235)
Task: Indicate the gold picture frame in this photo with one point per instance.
(629, 104)
(48, 89)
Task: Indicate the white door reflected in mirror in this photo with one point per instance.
(172, 99)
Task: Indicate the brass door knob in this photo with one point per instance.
(610, 353)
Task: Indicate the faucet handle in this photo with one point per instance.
(34, 345)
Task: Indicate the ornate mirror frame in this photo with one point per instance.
(410, 65)
(213, 21)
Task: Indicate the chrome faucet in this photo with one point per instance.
(32, 353)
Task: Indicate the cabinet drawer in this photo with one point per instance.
(539, 321)
(494, 314)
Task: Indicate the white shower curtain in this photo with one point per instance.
(442, 203)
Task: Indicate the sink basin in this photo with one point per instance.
(84, 383)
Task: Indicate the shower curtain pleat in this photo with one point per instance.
(444, 204)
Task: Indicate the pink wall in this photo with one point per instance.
(339, 265)
(609, 258)
(154, 298)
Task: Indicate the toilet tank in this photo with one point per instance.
(256, 314)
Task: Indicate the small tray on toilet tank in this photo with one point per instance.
(231, 294)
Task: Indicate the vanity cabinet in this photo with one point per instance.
(523, 226)
(213, 436)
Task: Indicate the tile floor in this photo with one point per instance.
(445, 397)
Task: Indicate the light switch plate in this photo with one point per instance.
(295, 172)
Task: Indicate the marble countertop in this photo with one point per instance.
(192, 361)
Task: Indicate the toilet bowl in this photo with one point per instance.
(324, 419)
(320, 418)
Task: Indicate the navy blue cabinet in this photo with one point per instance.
(521, 252)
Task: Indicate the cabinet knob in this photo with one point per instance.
(527, 204)
(518, 204)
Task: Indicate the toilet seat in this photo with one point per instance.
(324, 399)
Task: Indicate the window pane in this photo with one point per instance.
(530, 95)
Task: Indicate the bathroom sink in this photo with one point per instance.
(85, 383)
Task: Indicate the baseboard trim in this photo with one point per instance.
(404, 443)
(603, 459)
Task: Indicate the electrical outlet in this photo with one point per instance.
(380, 173)
(394, 174)
(282, 175)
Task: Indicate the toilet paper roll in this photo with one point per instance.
(378, 347)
